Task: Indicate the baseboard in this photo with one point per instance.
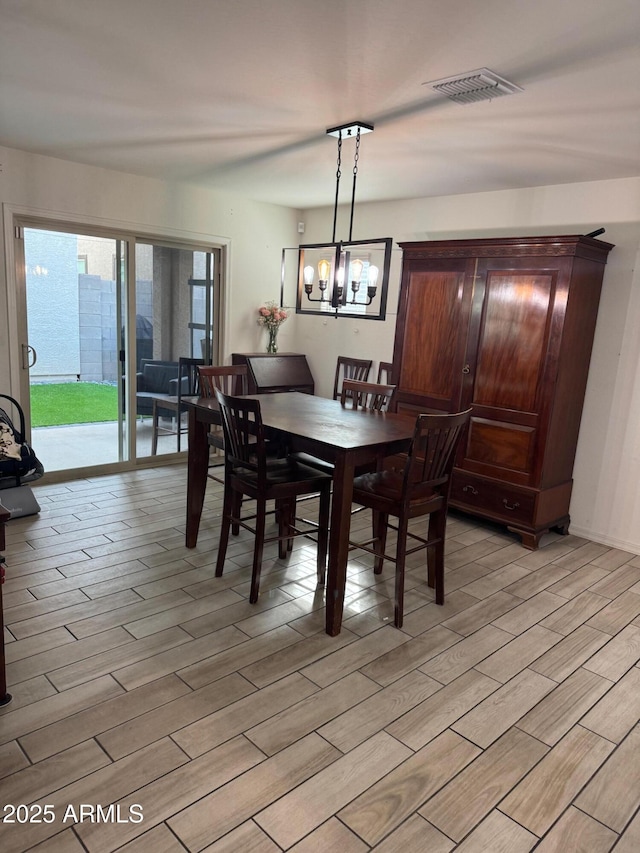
(605, 539)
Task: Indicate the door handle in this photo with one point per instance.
(28, 352)
(466, 369)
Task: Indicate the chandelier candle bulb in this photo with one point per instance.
(356, 271)
(324, 268)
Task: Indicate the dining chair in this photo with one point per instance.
(420, 488)
(373, 396)
(385, 369)
(166, 406)
(251, 473)
(230, 379)
(350, 368)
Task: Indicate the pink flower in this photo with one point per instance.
(271, 315)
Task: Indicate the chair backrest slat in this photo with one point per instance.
(366, 395)
(431, 457)
(350, 368)
(230, 379)
(385, 369)
(244, 437)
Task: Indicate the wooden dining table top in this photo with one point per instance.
(322, 419)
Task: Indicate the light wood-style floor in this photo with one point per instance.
(506, 720)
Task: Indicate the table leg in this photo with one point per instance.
(197, 463)
(339, 542)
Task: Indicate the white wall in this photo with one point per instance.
(253, 232)
(606, 495)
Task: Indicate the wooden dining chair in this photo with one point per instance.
(385, 369)
(251, 473)
(230, 379)
(420, 488)
(366, 395)
(350, 368)
(165, 406)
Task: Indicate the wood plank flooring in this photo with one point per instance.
(506, 720)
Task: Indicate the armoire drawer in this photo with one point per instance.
(492, 498)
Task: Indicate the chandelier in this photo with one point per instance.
(346, 278)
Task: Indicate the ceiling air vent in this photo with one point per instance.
(480, 85)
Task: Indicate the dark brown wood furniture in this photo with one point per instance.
(270, 373)
(250, 474)
(420, 488)
(350, 368)
(367, 395)
(322, 427)
(230, 379)
(5, 697)
(355, 395)
(505, 326)
(385, 369)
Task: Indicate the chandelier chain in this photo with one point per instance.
(356, 157)
(338, 174)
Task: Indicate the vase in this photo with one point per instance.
(272, 346)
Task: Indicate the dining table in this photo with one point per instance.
(348, 438)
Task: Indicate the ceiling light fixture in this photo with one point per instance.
(342, 267)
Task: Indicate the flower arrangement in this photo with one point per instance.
(272, 316)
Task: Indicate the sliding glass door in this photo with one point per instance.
(176, 316)
(73, 357)
(78, 321)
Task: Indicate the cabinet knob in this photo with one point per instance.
(466, 369)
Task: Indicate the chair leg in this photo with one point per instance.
(227, 509)
(257, 550)
(236, 509)
(435, 554)
(379, 522)
(292, 523)
(323, 534)
(285, 520)
(401, 554)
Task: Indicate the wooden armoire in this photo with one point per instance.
(505, 326)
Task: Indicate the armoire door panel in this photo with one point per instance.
(503, 446)
(512, 349)
(430, 359)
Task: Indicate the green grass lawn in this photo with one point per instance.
(73, 403)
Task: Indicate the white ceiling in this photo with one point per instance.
(237, 94)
